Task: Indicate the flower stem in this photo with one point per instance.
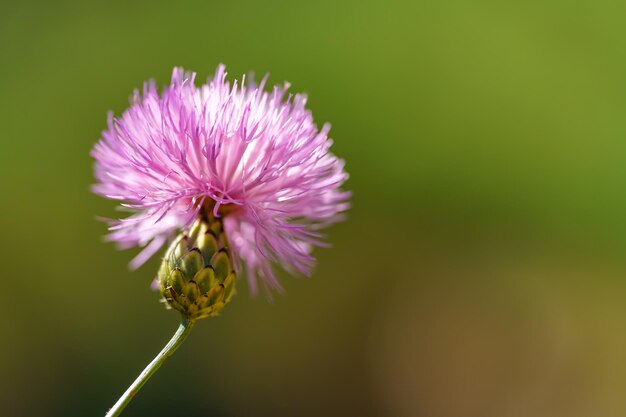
(176, 340)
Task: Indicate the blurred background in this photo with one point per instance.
(481, 271)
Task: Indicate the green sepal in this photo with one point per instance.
(221, 265)
(196, 276)
(191, 291)
(205, 278)
(216, 294)
(177, 281)
(197, 229)
(178, 251)
(192, 263)
(207, 243)
(229, 287)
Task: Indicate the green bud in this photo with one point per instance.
(197, 276)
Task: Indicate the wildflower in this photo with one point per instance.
(253, 160)
(244, 175)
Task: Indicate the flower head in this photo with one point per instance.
(253, 158)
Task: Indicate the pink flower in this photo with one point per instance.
(255, 157)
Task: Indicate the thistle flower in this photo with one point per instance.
(251, 158)
(244, 175)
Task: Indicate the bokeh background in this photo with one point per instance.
(482, 271)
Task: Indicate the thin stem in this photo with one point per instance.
(176, 340)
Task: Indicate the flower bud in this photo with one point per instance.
(196, 276)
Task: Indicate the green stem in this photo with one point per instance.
(176, 340)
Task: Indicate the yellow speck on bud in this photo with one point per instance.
(196, 276)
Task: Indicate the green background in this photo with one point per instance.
(481, 271)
